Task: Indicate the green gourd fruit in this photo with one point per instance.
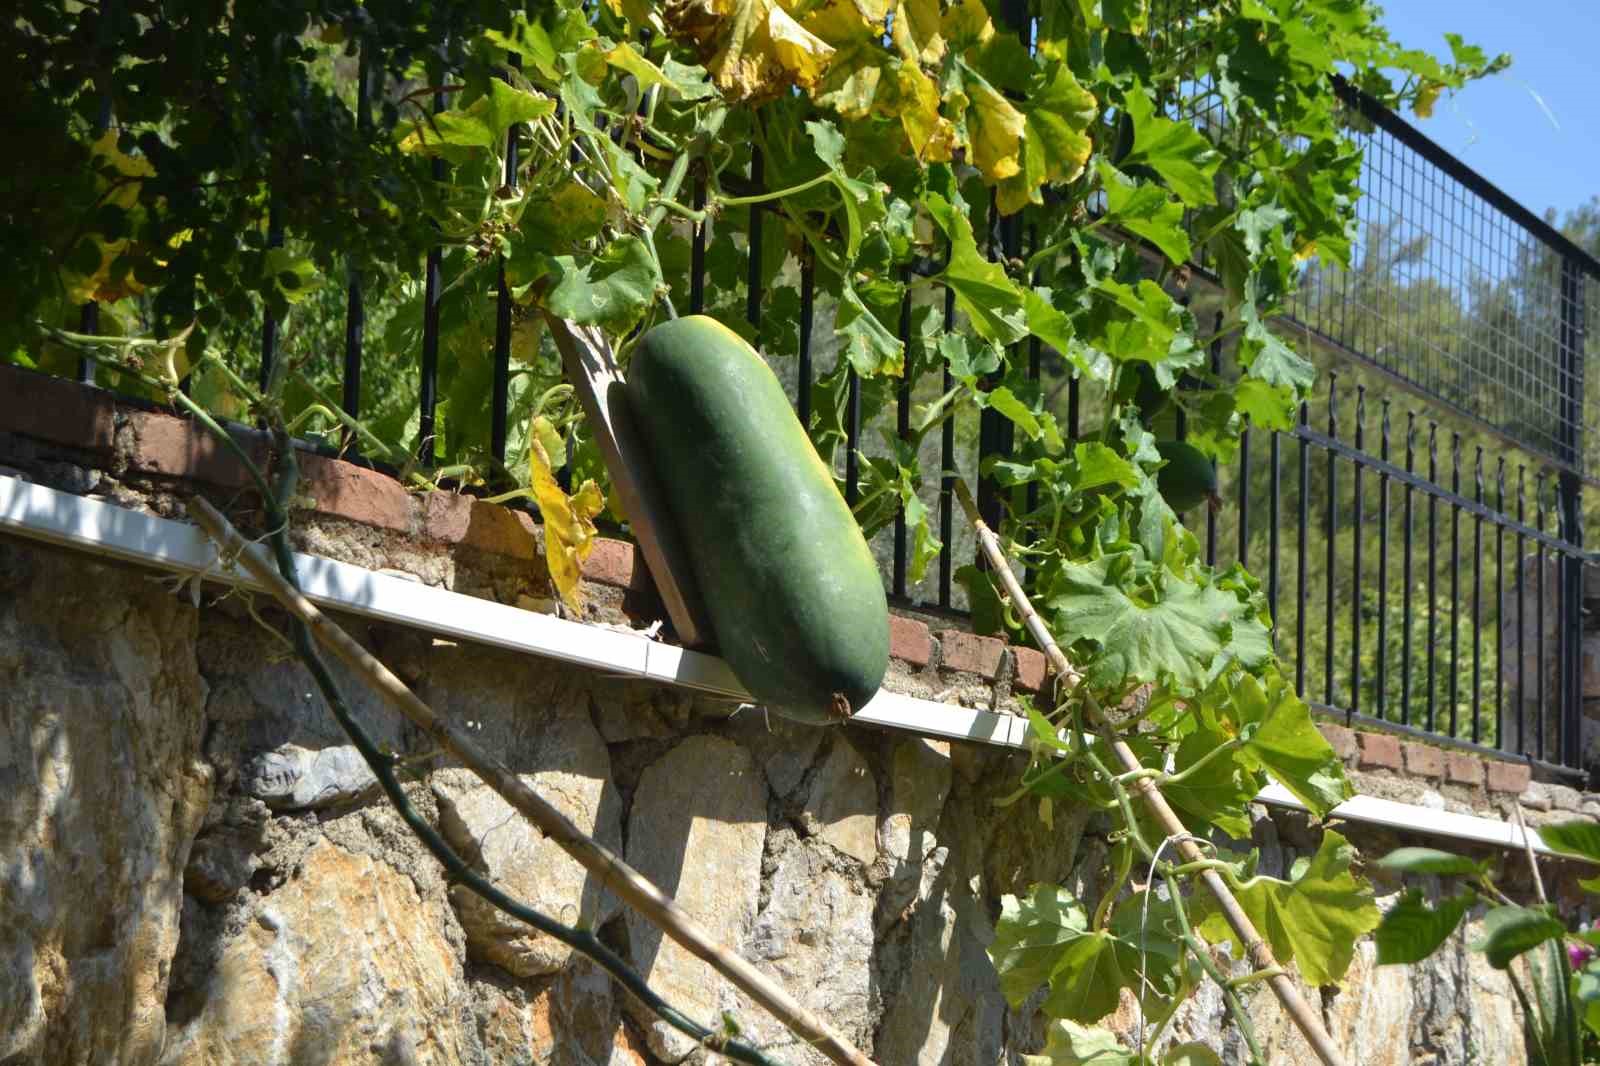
(793, 593)
(1187, 479)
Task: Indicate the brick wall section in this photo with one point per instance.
(969, 653)
(910, 641)
(1423, 761)
(120, 437)
(1512, 777)
(1379, 751)
(55, 409)
(1463, 769)
(168, 446)
(1031, 670)
(1341, 740)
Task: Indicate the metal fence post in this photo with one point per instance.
(1571, 510)
(996, 433)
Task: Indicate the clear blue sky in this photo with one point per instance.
(1496, 125)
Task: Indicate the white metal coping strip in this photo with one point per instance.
(61, 518)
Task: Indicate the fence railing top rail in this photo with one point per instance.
(1442, 158)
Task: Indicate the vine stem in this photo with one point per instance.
(605, 864)
(1261, 957)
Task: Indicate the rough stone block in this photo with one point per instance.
(1507, 776)
(296, 778)
(1463, 769)
(1591, 664)
(970, 653)
(1422, 760)
(910, 641)
(1379, 751)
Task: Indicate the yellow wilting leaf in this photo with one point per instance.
(569, 530)
(851, 84)
(754, 49)
(1427, 96)
(635, 11)
(105, 150)
(625, 59)
(932, 136)
(917, 31)
(1056, 142)
(803, 54)
(995, 130)
(120, 177)
(966, 25)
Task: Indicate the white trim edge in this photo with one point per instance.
(60, 518)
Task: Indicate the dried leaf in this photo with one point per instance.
(569, 529)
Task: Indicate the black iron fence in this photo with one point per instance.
(1418, 534)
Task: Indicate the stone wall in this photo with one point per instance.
(196, 870)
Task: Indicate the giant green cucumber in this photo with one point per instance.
(793, 593)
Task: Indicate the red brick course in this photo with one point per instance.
(610, 562)
(55, 409)
(970, 653)
(456, 519)
(1423, 761)
(910, 641)
(1379, 751)
(175, 447)
(1031, 669)
(1508, 776)
(1341, 740)
(354, 492)
(1463, 769)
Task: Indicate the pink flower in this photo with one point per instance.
(1578, 954)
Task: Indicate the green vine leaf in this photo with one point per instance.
(1510, 931)
(1313, 921)
(1219, 793)
(1580, 838)
(1145, 210)
(1175, 150)
(1177, 635)
(1046, 939)
(1055, 140)
(869, 345)
(613, 289)
(992, 302)
(483, 124)
(1412, 929)
(1281, 738)
(1431, 861)
(862, 198)
(1069, 1044)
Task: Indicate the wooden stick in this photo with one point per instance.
(587, 359)
(1261, 957)
(609, 867)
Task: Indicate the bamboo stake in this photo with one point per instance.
(599, 860)
(1261, 957)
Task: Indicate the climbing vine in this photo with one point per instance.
(1046, 165)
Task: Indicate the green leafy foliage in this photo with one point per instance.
(1413, 928)
(1510, 930)
(1313, 920)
